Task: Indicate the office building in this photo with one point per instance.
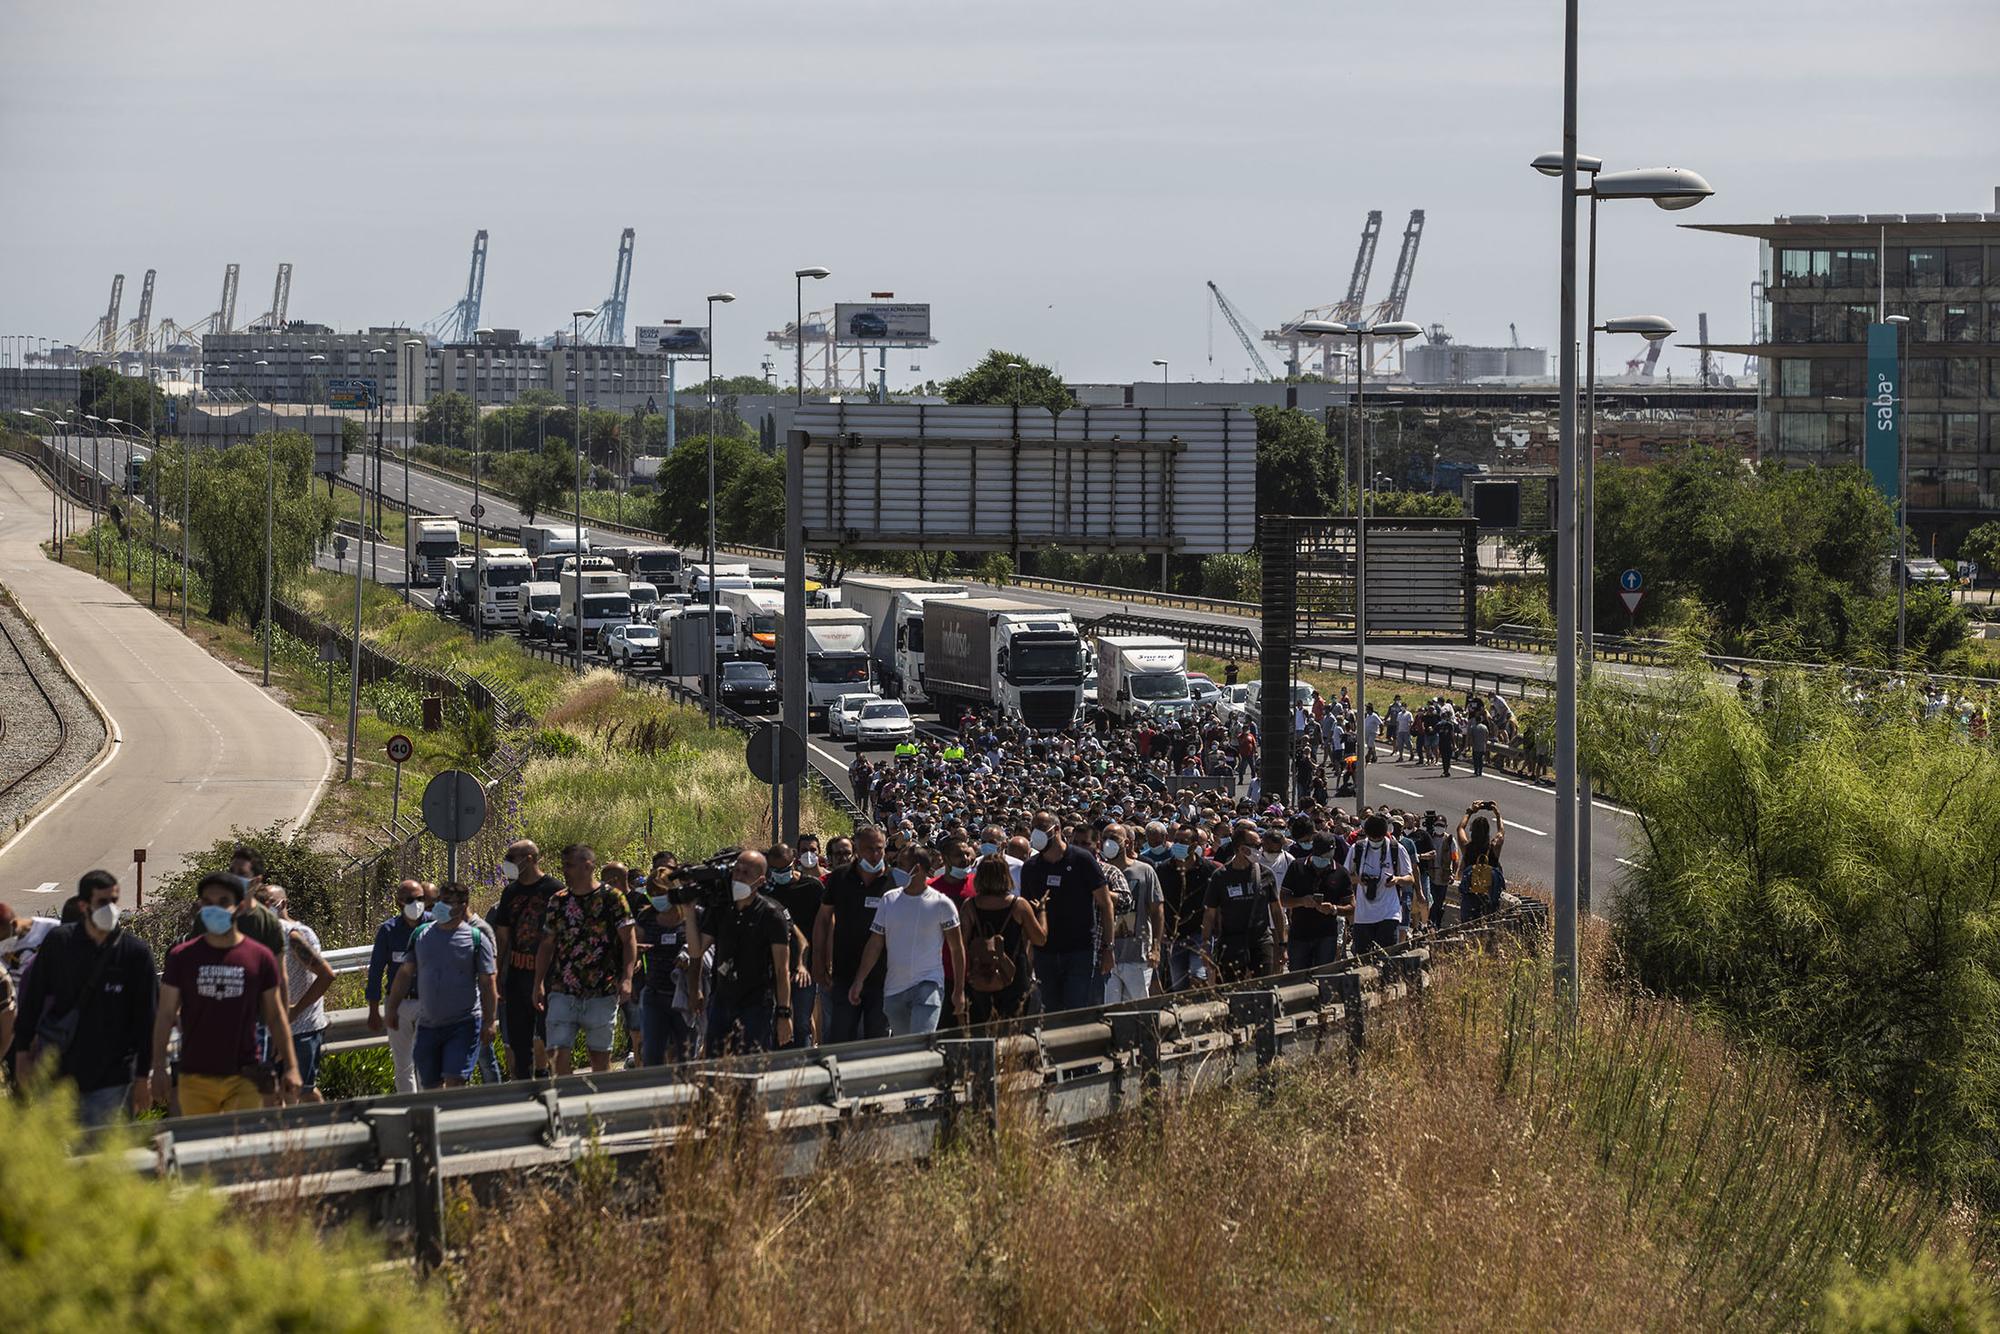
(230, 369)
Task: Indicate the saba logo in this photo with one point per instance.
(1884, 403)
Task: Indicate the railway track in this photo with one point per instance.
(28, 744)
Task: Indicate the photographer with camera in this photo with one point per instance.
(752, 935)
(1378, 865)
(1316, 893)
(1480, 881)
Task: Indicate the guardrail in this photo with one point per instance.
(1455, 679)
(388, 1159)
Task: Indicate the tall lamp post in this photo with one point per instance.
(1360, 333)
(708, 337)
(799, 277)
(1670, 188)
(375, 396)
(1161, 362)
(478, 547)
(577, 317)
(404, 391)
(270, 507)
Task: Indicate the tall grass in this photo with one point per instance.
(1476, 1171)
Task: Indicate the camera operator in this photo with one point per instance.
(753, 948)
(1378, 865)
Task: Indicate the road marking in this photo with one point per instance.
(1405, 791)
(1550, 792)
(1627, 861)
(1512, 825)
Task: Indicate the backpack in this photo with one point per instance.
(988, 965)
(1479, 877)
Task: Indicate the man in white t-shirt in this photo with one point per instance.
(307, 977)
(915, 927)
(1379, 866)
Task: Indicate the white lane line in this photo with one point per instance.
(1513, 824)
(1405, 791)
(1550, 792)
(1627, 861)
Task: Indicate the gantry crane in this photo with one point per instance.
(457, 321)
(1346, 310)
(281, 297)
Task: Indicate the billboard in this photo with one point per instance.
(676, 340)
(1884, 450)
(884, 323)
(351, 395)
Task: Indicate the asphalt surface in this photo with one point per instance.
(198, 749)
(1527, 808)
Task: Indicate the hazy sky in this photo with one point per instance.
(1056, 178)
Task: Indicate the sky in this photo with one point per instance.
(1059, 179)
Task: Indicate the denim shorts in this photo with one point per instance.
(448, 1051)
(593, 1016)
(306, 1046)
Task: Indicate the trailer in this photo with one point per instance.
(894, 606)
(1023, 660)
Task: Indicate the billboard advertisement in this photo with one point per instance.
(676, 340)
(885, 323)
(1884, 451)
(350, 395)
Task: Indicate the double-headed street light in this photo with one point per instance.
(1670, 188)
(1360, 333)
(799, 277)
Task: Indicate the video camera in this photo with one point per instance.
(704, 884)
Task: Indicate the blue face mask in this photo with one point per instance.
(871, 868)
(988, 849)
(216, 919)
(662, 902)
(1322, 862)
(1178, 851)
(441, 914)
(781, 877)
(900, 876)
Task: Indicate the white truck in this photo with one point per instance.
(548, 539)
(592, 600)
(837, 660)
(490, 582)
(1024, 660)
(894, 606)
(697, 576)
(758, 611)
(644, 560)
(433, 541)
(1142, 676)
(688, 639)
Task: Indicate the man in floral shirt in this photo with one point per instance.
(583, 969)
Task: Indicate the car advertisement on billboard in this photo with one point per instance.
(676, 340)
(893, 324)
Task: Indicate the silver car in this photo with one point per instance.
(845, 712)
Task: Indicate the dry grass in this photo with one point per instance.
(1475, 1174)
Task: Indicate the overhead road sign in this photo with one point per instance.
(351, 395)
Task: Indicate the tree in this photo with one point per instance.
(680, 511)
(993, 381)
(1415, 505)
(353, 437)
(752, 508)
(543, 480)
(226, 524)
(1296, 472)
(446, 420)
(1981, 546)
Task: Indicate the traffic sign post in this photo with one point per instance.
(400, 749)
(139, 887)
(1632, 591)
(454, 810)
(776, 755)
(478, 512)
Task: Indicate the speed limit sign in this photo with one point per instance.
(400, 749)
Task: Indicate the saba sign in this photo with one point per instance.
(1883, 451)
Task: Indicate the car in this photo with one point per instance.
(683, 340)
(842, 713)
(747, 686)
(1090, 689)
(1253, 697)
(1204, 690)
(634, 643)
(867, 324)
(884, 722)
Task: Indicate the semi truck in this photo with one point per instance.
(1024, 660)
(592, 600)
(644, 560)
(489, 586)
(836, 654)
(894, 606)
(1142, 676)
(433, 541)
(549, 539)
(758, 612)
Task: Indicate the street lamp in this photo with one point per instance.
(725, 298)
(403, 391)
(577, 317)
(1360, 333)
(799, 323)
(1902, 323)
(1017, 367)
(1162, 364)
(478, 509)
(1672, 189)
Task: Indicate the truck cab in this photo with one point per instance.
(593, 600)
(433, 541)
(758, 612)
(1026, 661)
(1142, 677)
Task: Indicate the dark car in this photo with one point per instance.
(868, 324)
(683, 340)
(748, 687)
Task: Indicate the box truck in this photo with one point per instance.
(894, 606)
(1142, 676)
(550, 539)
(592, 600)
(758, 612)
(1024, 660)
(689, 638)
(836, 655)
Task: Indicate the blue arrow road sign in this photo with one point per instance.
(1631, 581)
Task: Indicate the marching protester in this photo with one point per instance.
(1379, 867)
(219, 988)
(385, 959)
(307, 977)
(1001, 931)
(451, 968)
(583, 966)
(854, 892)
(911, 932)
(752, 939)
(517, 927)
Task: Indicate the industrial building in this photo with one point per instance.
(1822, 280)
(1444, 361)
(289, 375)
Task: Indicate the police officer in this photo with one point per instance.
(1240, 919)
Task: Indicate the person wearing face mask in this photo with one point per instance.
(1378, 866)
(1314, 894)
(809, 864)
(666, 1010)
(87, 1008)
(307, 977)
(912, 932)
(517, 929)
(953, 879)
(752, 936)
(1137, 944)
(1069, 886)
(799, 895)
(218, 987)
(583, 967)
(1184, 876)
(386, 959)
(840, 935)
(1241, 920)
(452, 961)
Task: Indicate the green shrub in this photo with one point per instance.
(86, 1244)
(1927, 1294)
(290, 859)
(356, 1074)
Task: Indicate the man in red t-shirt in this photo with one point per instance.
(218, 986)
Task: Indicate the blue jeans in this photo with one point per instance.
(306, 1047)
(664, 1032)
(847, 1022)
(448, 1051)
(916, 1010)
(1312, 953)
(1070, 980)
(805, 1000)
(740, 1026)
(1185, 965)
(101, 1107)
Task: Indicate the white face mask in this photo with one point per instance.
(104, 916)
(509, 872)
(1039, 839)
(740, 891)
(413, 911)
(1111, 849)
(809, 860)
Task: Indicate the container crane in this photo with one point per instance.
(1399, 288)
(1346, 310)
(281, 297)
(456, 323)
(1235, 318)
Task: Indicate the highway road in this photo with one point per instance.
(198, 749)
(1529, 808)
